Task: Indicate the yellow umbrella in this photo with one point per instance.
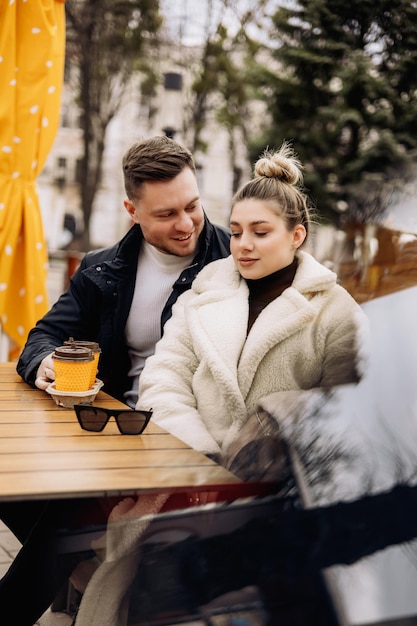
(32, 47)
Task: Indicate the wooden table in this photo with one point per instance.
(45, 454)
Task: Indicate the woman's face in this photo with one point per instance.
(261, 243)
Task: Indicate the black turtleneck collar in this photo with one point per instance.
(263, 290)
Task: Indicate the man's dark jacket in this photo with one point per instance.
(97, 303)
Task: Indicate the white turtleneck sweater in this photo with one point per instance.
(156, 274)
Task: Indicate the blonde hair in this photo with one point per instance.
(278, 181)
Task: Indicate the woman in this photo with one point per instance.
(268, 318)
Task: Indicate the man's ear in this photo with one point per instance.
(299, 235)
(130, 209)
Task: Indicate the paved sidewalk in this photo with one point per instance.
(9, 547)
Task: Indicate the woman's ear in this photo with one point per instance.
(299, 235)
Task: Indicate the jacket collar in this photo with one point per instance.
(122, 264)
(129, 246)
(311, 276)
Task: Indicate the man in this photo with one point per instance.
(121, 298)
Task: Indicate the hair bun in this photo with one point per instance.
(282, 164)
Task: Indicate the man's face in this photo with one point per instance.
(169, 213)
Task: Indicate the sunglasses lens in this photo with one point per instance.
(132, 422)
(93, 419)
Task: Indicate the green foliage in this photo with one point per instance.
(345, 95)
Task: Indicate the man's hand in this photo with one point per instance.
(46, 372)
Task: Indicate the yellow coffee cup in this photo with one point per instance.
(95, 349)
(72, 368)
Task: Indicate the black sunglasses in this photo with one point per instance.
(129, 422)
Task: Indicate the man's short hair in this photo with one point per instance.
(157, 158)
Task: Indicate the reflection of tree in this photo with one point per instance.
(282, 552)
(298, 536)
(295, 541)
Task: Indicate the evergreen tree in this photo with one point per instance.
(345, 95)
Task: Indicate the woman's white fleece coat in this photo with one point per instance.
(207, 375)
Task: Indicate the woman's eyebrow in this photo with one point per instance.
(254, 223)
